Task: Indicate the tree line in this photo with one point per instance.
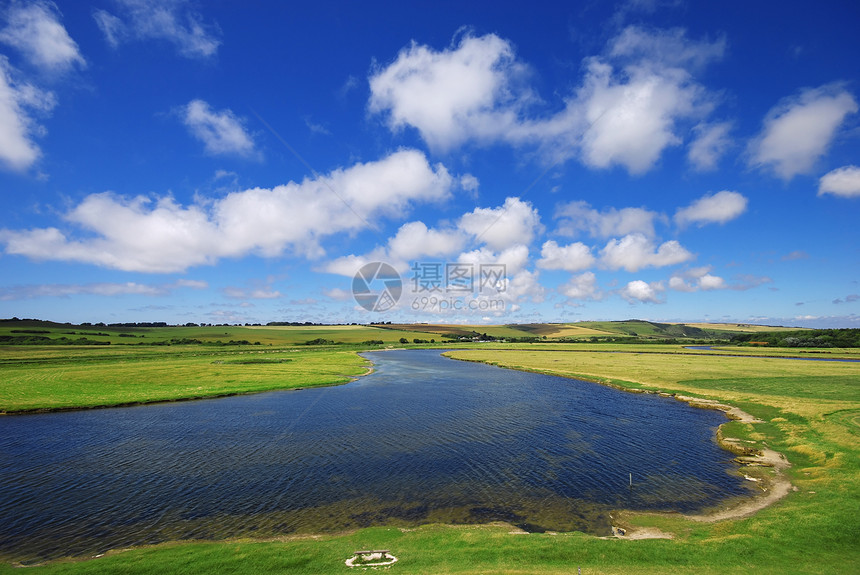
(825, 338)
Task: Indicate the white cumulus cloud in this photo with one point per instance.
(635, 251)
(522, 285)
(635, 101)
(415, 240)
(843, 182)
(632, 114)
(798, 131)
(640, 291)
(498, 263)
(450, 96)
(348, 265)
(515, 258)
(518, 283)
(715, 208)
(140, 234)
(573, 257)
(515, 222)
(582, 287)
(631, 104)
(697, 279)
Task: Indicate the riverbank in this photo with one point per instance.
(42, 379)
(792, 425)
(750, 461)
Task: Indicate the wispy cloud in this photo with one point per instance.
(35, 30)
(745, 282)
(579, 217)
(221, 131)
(317, 128)
(172, 21)
(795, 255)
(798, 130)
(717, 208)
(106, 289)
(251, 293)
(850, 298)
(710, 143)
(20, 104)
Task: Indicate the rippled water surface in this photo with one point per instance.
(423, 439)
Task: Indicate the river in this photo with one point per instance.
(422, 439)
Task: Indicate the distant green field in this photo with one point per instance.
(265, 335)
(63, 377)
(388, 333)
(638, 328)
(566, 330)
(340, 333)
(498, 331)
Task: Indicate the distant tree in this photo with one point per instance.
(320, 341)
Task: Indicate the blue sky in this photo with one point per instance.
(227, 162)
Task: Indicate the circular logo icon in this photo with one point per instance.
(377, 286)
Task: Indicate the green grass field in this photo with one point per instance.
(52, 378)
(810, 412)
(262, 335)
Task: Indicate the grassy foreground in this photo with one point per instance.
(810, 412)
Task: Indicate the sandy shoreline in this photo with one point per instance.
(772, 488)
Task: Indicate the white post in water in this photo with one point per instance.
(631, 480)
